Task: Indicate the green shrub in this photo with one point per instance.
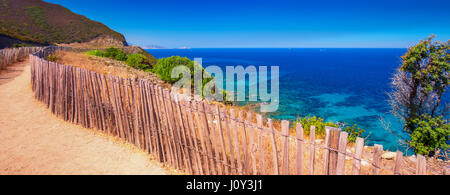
(164, 67)
(121, 56)
(317, 122)
(16, 45)
(96, 53)
(430, 135)
(138, 61)
(112, 52)
(353, 133)
(115, 53)
(52, 58)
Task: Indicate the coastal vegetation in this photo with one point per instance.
(419, 87)
(52, 58)
(163, 67)
(319, 123)
(115, 53)
(135, 60)
(17, 45)
(96, 52)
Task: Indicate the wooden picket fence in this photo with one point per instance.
(8, 56)
(196, 136)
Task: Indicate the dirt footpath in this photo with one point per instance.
(33, 141)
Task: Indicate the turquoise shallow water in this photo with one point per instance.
(345, 85)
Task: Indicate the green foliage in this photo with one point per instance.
(307, 122)
(164, 67)
(52, 58)
(98, 53)
(112, 52)
(138, 61)
(426, 80)
(428, 64)
(353, 132)
(429, 135)
(226, 102)
(16, 45)
(317, 122)
(121, 56)
(149, 56)
(115, 53)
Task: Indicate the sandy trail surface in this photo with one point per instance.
(34, 141)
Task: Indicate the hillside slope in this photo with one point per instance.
(38, 22)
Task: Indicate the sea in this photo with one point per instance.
(340, 85)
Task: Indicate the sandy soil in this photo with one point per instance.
(33, 141)
(106, 66)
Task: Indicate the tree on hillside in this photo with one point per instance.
(419, 86)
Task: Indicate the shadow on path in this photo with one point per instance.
(12, 71)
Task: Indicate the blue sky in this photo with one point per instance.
(267, 23)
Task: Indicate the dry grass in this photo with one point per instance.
(105, 66)
(99, 42)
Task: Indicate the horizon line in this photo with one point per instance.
(278, 48)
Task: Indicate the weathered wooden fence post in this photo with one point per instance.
(356, 169)
(340, 167)
(237, 145)
(214, 137)
(230, 141)
(398, 163)
(334, 148)
(222, 139)
(260, 130)
(326, 152)
(274, 148)
(244, 143)
(285, 145)
(253, 146)
(377, 159)
(312, 149)
(421, 168)
(300, 145)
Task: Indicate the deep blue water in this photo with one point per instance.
(345, 85)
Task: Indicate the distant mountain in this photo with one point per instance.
(153, 47)
(41, 23)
